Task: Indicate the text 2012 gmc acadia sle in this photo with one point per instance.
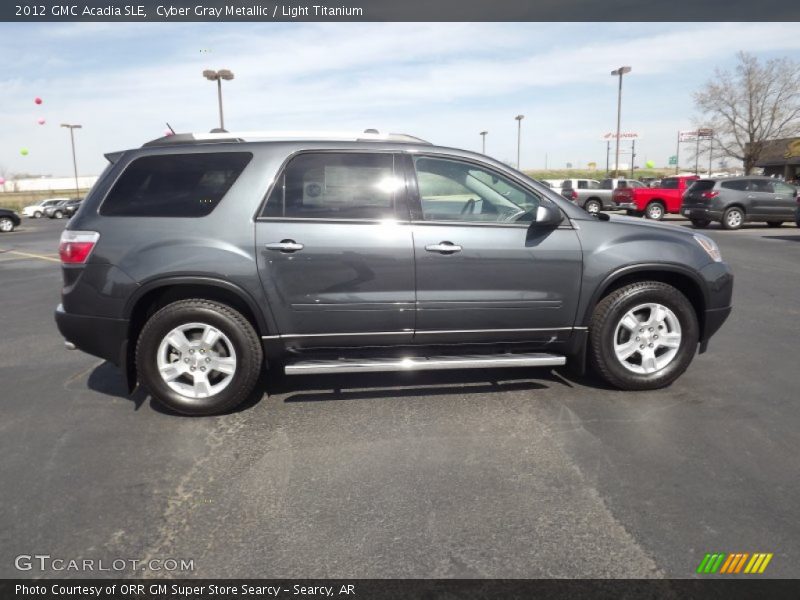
(199, 260)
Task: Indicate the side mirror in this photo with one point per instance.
(547, 215)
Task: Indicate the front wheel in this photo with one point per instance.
(700, 223)
(6, 225)
(655, 211)
(774, 223)
(198, 357)
(58, 214)
(643, 336)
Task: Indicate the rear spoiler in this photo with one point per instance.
(113, 157)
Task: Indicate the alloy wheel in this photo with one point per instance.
(647, 338)
(196, 360)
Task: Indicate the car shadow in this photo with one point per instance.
(107, 379)
(785, 238)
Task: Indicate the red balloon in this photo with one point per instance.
(37, 100)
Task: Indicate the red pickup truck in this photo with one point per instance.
(654, 203)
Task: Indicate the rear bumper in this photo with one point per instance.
(98, 336)
(700, 213)
(627, 205)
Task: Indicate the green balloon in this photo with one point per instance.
(649, 164)
(24, 152)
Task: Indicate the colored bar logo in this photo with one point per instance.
(735, 563)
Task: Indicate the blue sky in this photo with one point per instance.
(444, 82)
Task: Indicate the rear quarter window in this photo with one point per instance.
(740, 185)
(174, 185)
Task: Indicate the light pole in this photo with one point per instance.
(518, 119)
(218, 76)
(619, 73)
(483, 141)
(72, 129)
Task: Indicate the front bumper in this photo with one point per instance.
(98, 336)
(719, 286)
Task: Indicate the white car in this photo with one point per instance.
(37, 210)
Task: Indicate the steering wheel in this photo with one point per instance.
(513, 215)
(469, 207)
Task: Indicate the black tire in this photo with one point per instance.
(602, 330)
(774, 223)
(58, 214)
(655, 210)
(240, 332)
(6, 225)
(37, 214)
(593, 206)
(733, 218)
(700, 223)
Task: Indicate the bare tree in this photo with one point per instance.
(756, 103)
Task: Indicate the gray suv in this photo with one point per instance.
(198, 261)
(732, 201)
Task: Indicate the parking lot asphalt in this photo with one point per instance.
(513, 473)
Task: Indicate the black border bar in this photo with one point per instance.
(397, 10)
(393, 589)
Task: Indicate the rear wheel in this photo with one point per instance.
(6, 225)
(58, 214)
(655, 211)
(593, 206)
(37, 214)
(700, 223)
(198, 357)
(733, 218)
(643, 336)
(774, 223)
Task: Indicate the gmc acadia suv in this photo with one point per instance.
(196, 261)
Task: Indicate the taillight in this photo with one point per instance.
(75, 246)
(573, 195)
(709, 195)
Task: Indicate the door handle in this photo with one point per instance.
(284, 246)
(443, 248)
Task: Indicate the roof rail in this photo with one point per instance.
(369, 135)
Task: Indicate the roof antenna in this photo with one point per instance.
(170, 128)
(375, 131)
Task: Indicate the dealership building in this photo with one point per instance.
(781, 158)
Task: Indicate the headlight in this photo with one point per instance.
(710, 246)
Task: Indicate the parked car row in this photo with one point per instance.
(730, 201)
(55, 208)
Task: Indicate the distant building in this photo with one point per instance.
(47, 184)
(781, 158)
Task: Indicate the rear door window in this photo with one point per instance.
(338, 185)
(761, 186)
(174, 185)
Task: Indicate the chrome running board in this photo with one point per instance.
(423, 363)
